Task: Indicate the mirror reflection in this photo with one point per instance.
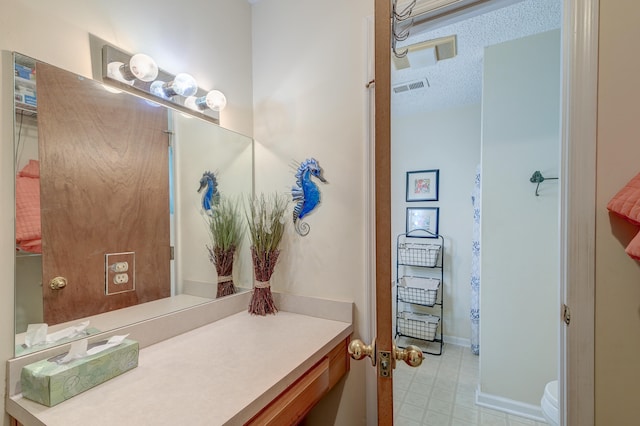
(110, 225)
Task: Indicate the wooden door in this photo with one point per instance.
(382, 134)
(104, 189)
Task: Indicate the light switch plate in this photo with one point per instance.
(119, 272)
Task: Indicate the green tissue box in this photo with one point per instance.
(50, 383)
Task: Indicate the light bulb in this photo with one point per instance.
(143, 67)
(182, 84)
(215, 100)
(191, 103)
(140, 66)
(113, 71)
(157, 89)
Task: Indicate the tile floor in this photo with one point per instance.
(441, 392)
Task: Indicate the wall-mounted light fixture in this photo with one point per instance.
(140, 74)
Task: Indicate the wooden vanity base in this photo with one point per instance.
(290, 407)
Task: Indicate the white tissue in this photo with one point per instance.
(113, 341)
(67, 332)
(79, 348)
(36, 334)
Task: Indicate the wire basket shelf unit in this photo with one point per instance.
(416, 254)
(418, 326)
(420, 290)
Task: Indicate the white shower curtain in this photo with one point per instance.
(475, 268)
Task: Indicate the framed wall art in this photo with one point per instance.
(422, 185)
(422, 222)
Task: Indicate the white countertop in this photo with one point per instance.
(221, 373)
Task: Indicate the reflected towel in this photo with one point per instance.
(28, 228)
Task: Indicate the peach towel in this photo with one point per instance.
(28, 229)
(626, 204)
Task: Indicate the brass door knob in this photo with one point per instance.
(358, 350)
(58, 283)
(411, 355)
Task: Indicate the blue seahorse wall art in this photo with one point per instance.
(210, 194)
(305, 193)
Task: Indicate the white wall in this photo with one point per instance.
(217, 52)
(617, 319)
(201, 146)
(448, 140)
(519, 250)
(309, 93)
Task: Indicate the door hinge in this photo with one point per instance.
(171, 253)
(566, 314)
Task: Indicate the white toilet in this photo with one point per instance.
(549, 403)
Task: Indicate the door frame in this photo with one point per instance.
(577, 212)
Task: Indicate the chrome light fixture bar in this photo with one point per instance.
(138, 74)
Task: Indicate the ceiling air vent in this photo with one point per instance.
(409, 86)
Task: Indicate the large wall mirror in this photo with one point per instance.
(109, 221)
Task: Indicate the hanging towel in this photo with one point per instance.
(626, 204)
(28, 230)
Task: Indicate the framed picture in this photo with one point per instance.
(422, 185)
(422, 222)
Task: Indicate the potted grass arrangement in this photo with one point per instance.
(266, 224)
(225, 231)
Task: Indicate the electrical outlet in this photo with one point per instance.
(119, 272)
(120, 267)
(121, 279)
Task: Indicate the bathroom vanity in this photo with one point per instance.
(200, 361)
(237, 369)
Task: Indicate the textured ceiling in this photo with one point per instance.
(458, 81)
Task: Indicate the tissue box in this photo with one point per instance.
(50, 383)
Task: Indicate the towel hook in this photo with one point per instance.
(538, 179)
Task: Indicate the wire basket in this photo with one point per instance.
(418, 290)
(420, 326)
(416, 254)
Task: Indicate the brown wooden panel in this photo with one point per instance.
(384, 338)
(339, 362)
(104, 189)
(290, 407)
(297, 401)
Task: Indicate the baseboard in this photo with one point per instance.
(458, 341)
(509, 406)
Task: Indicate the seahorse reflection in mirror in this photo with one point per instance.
(211, 195)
